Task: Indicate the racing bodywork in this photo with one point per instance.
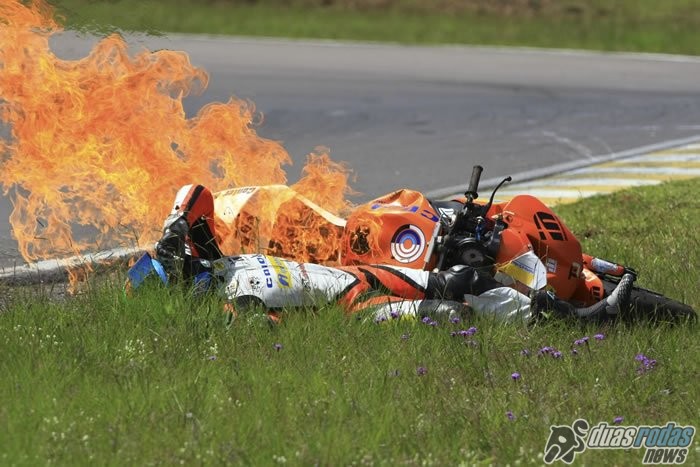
(521, 241)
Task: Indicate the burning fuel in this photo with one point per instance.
(104, 142)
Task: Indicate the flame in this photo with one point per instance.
(104, 142)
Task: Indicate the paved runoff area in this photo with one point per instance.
(648, 169)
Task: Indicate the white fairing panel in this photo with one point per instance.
(278, 282)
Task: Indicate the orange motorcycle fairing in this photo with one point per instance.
(530, 222)
(397, 229)
(590, 290)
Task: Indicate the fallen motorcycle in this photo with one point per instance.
(405, 228)
(522, 242)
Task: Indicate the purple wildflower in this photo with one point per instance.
(468, 332)
(515, 376)
(574, 352)
(421, 370)
(618, 420)
(525, 353)
(277, 346)
(547, 350)
(599, 337)
(426, 320)
(394, 314)
(647, 364)
(380, 319)
(433, 323)
(510, 415)
(455, 320)
(579, 342)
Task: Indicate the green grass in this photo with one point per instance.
(102, 379)
(623, 25)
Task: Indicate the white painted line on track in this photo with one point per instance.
(580, 181)
(639, 170)
(552, 192)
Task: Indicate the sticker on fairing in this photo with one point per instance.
(526, 269)
(284, 277)
(602, 266)
(408, 243)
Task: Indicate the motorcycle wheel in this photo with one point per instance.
(648, 305)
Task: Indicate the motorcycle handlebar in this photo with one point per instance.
(474, 182)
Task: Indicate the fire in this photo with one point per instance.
(103, 142)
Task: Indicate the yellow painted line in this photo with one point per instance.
(687, 157)
(694, 148)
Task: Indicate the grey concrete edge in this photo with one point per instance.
(57, 270)
(557, 169)
(360, 43)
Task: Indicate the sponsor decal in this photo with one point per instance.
(255, 283)
(668, 444)
(267, 273)
(575, 270)
(446, 212)
(284, 277)
(551, 265)
(407, 244)
(427, 213)
(242, 190)
(526, 269)
(218, 266)
(602, 266)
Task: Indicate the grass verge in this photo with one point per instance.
(159, 379)
(624, 25)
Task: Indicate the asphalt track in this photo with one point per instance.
(420, 117)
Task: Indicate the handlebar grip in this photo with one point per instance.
(474, 182)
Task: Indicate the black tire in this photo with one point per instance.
(649, 305)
